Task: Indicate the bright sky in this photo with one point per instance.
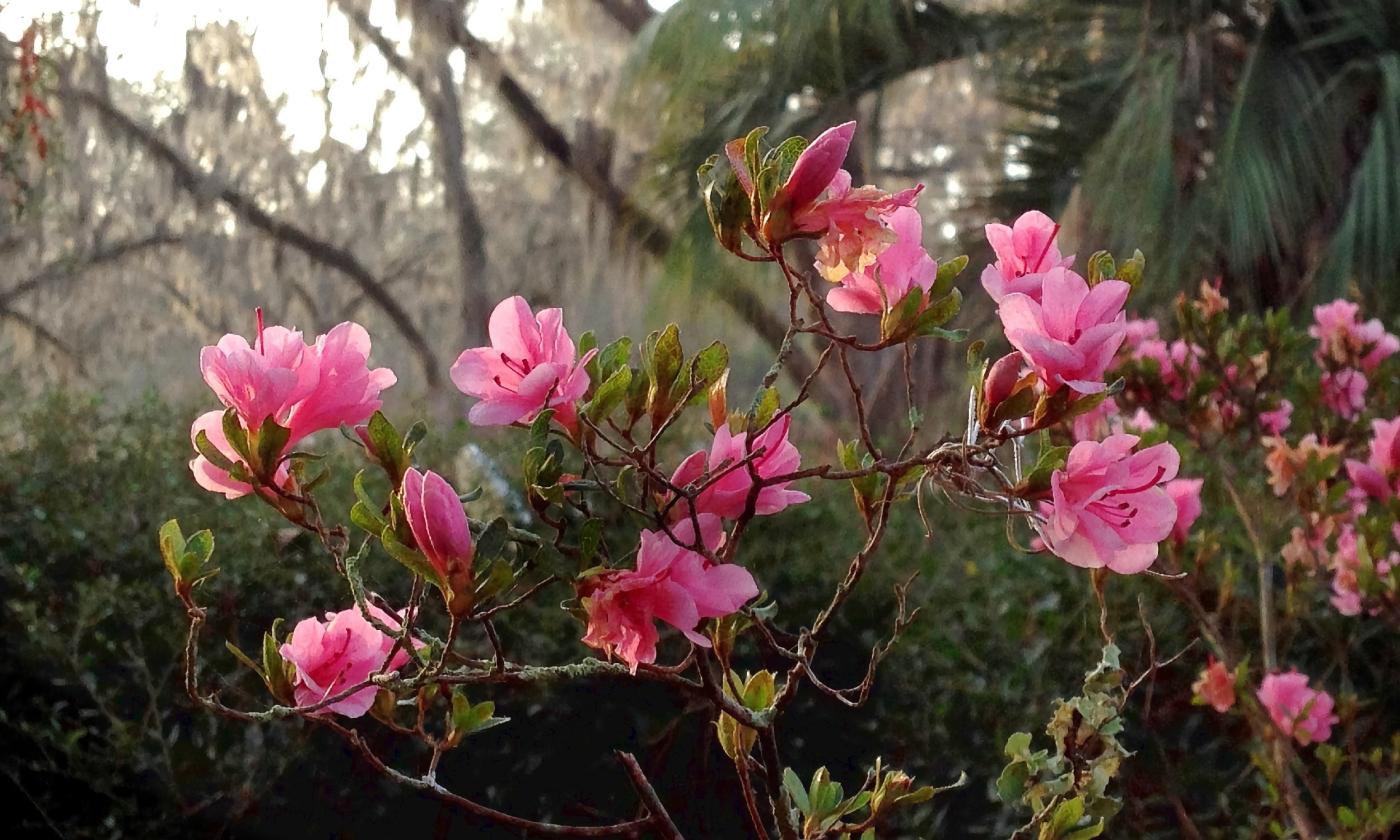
(146, 43)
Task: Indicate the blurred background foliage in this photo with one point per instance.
(439, 155)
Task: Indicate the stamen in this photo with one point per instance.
(262, 345)
(1054, 232)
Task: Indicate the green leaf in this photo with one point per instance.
(783, 157)
(614, 356)
(796, 791)
(590, 537)
(663, 366)
(245, 659)
(415, 435)
(539, 428)
(1101, 267)
(492, 541)
(271, 440)
(1018, 745)
(413, 560)
(367, 519)
(609, 395)
(205, 447)
(947, 274)
(200, 547)
(236, 435)
(938, 313)
(707, 367)
(1038, 479)
(765, 405)
(172, 543)
(1130, 271)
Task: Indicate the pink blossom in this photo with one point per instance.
(1379, 476)
(346, 390)
(212, 478)
(1343, 339)
(902, 266)
(439, 526)
(672, 582)
(334, 655)
(1216, 686)
(1108, 506)
(278, 377)
(1297, 710)
(728, 495)
(1186, 494)
(1070, 337)
(1001, 378)
(1106, 419)
(1138, 330)
(529, 366)
(1178, 363)
(1344, 392)
(812, 173)
(1347, 596)
(261, 380)
(852, 224)
(1025, 251)
(1276, 422)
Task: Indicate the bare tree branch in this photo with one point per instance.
(631, 15)
(71, 264)
(438, 92)
(46, 336)
(198, 182)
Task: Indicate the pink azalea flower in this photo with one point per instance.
(1379, 476)
(1096, 423)
(530, 366)
(1276, 422)
(672, 583)
(902, 266)
(212, 478)
(1108, 506)
(852, 224)
(338, 653)
(1297, 710)
(1343, 339)
(278, 377)
(1186, 494)
(1138, 330)
(346, 391)
(728, 496)
(1178, 363)
(1216, 686)
(261, 380)
(1025, 251)
(1070, 336)
(439, 526)
(1344, 392)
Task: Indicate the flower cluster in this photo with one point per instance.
(1107, 506)
(279, 379)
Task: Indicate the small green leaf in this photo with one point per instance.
(796, 791)
(609, 395)
(947, 273)
(492, 541)
(205, 447)
(413, 560)
(765, 405)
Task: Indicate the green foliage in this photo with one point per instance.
(1068, 791)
